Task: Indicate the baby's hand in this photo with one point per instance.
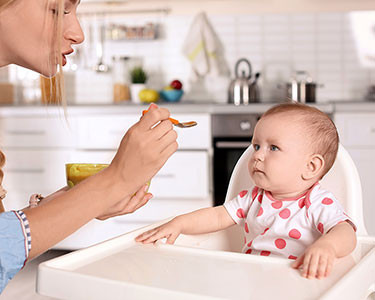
(170, 230)
(317, 261)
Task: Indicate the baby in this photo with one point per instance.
(287, 213)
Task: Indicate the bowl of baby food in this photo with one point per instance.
(77, 172)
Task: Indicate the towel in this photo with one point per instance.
(363, 26)
(204, 50)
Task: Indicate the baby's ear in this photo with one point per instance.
(313, 167)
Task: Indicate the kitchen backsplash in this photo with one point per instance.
(322, 44)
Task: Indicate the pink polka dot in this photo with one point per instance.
(301, 202)
(260, 198)
(292, 257)
(248, 251)
(285, 213)
(321, 228)
(243, 193)
(240, 213)
(277, 204)
(254, 192)
(265, 253)
(265, 230)
(246, 228)
(295, 234)
(327, 201)
(280, 243)
(260, 212)
(250, 243)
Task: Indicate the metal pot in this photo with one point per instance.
(301, 88)
(238, 91)
(301, 91)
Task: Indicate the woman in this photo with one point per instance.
(38, 34)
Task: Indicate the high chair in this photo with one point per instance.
(210, 266)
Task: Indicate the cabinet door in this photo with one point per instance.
(364, 159)
(105, 132)
(36, 132)
(33, 171)
(184, 175)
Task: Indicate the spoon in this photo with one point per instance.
(177, 123)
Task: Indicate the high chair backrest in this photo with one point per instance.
(342, 180)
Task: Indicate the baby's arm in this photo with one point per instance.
(204, 220)
(318, 258)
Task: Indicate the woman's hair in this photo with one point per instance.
(54, 91)
(319, 129)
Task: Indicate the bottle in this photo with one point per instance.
(120, 79)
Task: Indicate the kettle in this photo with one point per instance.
(238, 91)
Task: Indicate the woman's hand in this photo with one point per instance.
(143, 151)
(170, 230)
(128, 206)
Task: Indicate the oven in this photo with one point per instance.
(232, 134)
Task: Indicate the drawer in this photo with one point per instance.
(185, 175)
(36, 132)
(103, 132)
(356, 129)
(106, 132)
(35, 171)
(15, 200)
(198, 137)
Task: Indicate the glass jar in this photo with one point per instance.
(120, 79)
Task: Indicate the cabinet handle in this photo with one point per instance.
(170, 175)
(117, 132)
(26, 132)
(224, 145)
(24, 171)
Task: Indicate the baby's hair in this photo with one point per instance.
(319, 127)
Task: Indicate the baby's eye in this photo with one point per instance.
(274, 148)
(256, 147)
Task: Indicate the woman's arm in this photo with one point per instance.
(142, 152)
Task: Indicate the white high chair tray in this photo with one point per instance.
(123, 269)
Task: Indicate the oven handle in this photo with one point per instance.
(226, 145)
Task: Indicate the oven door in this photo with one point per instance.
(227, 151)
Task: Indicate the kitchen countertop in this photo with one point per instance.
(182, 107)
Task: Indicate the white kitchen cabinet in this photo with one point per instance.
(106, 131)
(357, 134)
(36, 132)
(38, 147)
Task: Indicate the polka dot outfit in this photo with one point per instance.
(284, 227)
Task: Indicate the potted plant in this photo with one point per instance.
(138, 78)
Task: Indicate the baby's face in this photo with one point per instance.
(281, 153)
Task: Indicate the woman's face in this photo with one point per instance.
(28, 34)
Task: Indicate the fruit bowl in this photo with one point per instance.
(75, 173)
(171, 95)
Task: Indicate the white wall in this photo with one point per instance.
(187, 7)
(321, 43)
